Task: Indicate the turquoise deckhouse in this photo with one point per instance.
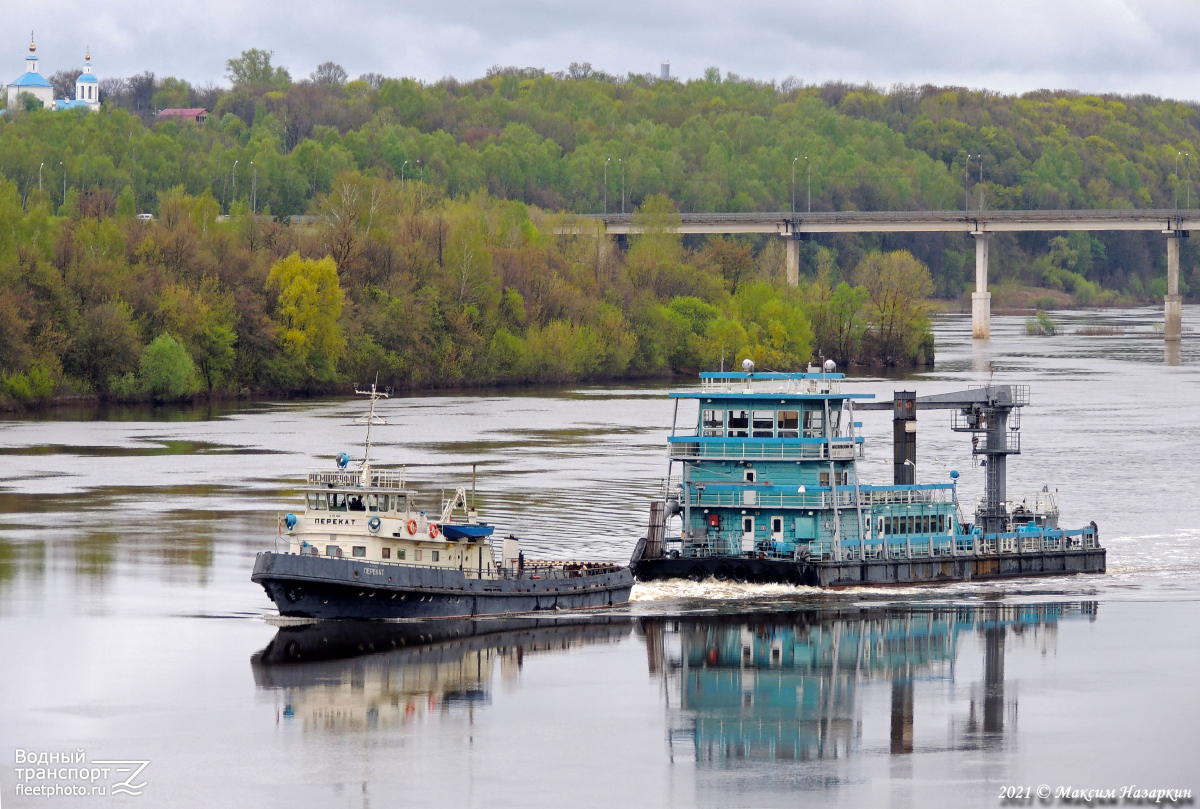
(768, 489)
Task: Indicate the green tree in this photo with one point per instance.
(310, 310)
(897, 286)
(253, 70)
(166, 370)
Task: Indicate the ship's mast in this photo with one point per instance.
(370, 419)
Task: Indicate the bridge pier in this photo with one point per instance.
(981, 299)
(1173, 301)
(793, 259)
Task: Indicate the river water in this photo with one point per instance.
(131, 632)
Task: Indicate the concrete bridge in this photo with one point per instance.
(1173, 224)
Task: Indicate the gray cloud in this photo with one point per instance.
(1126, 46)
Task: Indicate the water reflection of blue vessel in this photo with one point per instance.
(787, 687)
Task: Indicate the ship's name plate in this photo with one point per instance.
(334, 520)
(373, 571)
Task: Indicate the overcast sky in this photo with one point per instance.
(1127, 46)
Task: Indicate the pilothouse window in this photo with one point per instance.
(739, 423)
(764, 423)
(713, 423)
(814, 424)
(356, 503)
(337, 501)
(316, 501)
(788, 424)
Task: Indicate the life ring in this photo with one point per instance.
(374, 524)
(433, 530)
(411, 526)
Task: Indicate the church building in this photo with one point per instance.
(87, 87)
(31, 82)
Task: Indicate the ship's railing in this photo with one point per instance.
(376, 478)
(771, 383)
(741, 497)
(842, 449)
(1019, 393)
(729, 495)
(1051, 540)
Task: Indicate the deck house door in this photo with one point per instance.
(747, 534)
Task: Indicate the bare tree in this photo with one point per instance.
(141, 90)
(373, 79)
(115, 89)
(329, 73)
(64, 82)
(207, 95)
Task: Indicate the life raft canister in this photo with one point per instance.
(433, 530)
(374, 524)
(411, 526)
(290, 520)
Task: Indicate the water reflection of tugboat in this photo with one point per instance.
(769, 491)
(782, 687)
(360, 548)
(334, 676)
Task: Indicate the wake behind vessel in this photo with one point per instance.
(769, 491)
(360, 548)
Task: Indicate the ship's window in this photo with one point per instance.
(926, 525)
(739, 423)
(835, 421)
(356, 502)
(750, 476)
(885, 526)
(748, 525)
(895, 525)
(941, 523)
(764, 423)
(316, 501)
(436, 556)
(824, 478)
(332, 550)
(776, 525)
(358, 550)
(911, 528)
(400, 553)
(787, 423)
(814, 424)
(387, 553)
(385, 502)
(714, 423)
(337, 501)
(372, 502)
(418, 554)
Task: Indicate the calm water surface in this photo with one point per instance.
(131, 631)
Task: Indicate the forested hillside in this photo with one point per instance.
(434, 260)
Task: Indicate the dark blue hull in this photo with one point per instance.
(322, 587)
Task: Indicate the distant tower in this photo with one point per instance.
(665, 71)
(31, 81)
(87, 88)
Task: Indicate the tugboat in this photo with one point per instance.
(359, 548)
(769, 491)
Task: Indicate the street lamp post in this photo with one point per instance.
(402, 165)
(794, 159)
(254, 190)
(234, 182)
(981, 182)
(808, 171)
(621, 160)
(966, 181)
(64, 172)
(40, 177)
(607, 160)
